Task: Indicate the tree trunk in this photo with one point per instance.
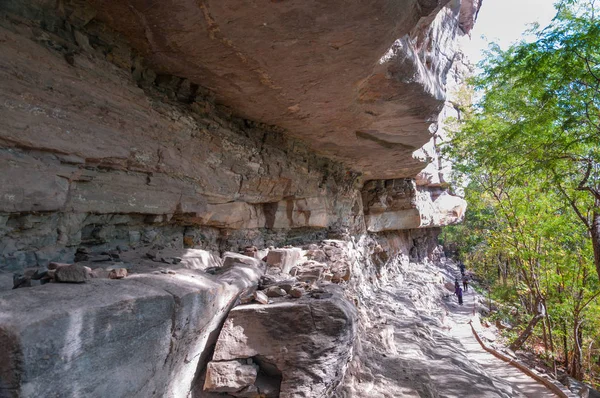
(551, 339)
(589, 358)
(595, 232)
(576, 365)
(565, 345)
(526, 333)
(545, 337)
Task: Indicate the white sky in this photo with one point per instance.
(504, 21)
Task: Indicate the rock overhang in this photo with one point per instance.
(105, 146)
(361, 82)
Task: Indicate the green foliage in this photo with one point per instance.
(528, 153)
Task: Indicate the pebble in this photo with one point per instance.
(275, 291)
(117, 273)
(295, 292)
(261, 297)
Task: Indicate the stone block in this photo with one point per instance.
(284, 258)
(73, 273)
(103, 338)
(308, 341)
(275, 291)
(261, 297)
(230, 259)
(229, 376)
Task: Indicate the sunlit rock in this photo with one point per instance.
(401, 204)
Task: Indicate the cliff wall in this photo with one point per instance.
(99, 148)
(147, 141)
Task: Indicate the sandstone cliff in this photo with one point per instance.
(155, 137)
(105, 144)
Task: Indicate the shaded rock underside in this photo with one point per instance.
(203, 127)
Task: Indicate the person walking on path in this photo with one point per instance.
(456, 285)
(462, 268)
(459, 294)
(465, 283)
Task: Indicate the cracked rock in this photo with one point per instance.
(73, 273)
(322, 333)
(229, 376)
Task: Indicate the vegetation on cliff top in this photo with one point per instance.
(528, 151)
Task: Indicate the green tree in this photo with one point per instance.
(529, 150)
(539, 113)
(533, 253)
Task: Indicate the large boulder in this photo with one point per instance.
(102, 338)
(305, 344)
(141, 336)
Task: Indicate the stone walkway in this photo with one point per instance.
(495, 367)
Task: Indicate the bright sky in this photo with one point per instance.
(504, 21)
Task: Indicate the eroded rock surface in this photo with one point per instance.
(361, 82)
(308, 341)
(141, 336)
(402, 204)
(405, 347)
(373, 86)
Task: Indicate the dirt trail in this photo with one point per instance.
(497, 368)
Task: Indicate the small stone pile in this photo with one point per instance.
(298, 285)
(55, 272)
(293, 272)
(72, 272)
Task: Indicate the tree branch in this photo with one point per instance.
(572, 202)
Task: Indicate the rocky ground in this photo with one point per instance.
(406, 347)
(333, 318)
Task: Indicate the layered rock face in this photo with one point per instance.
(89, 158)
(121, 131)
(402, 204)
(360, 82)
(143, 152)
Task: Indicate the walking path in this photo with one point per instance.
(522, 383)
